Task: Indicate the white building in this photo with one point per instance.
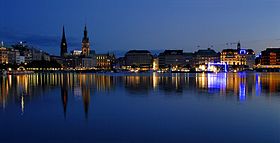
(76, 52)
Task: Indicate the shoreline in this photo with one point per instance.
(122, 72)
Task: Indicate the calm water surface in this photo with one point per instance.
(233, 107)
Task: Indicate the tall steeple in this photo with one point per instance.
(63, 45)
(85, 33)
(85, 43)
(238, 46)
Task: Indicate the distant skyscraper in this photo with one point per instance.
(85, 43)
(63, 46)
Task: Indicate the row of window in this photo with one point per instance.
(101, 58)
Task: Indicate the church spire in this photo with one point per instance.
(85, 38)
(63, 33)
(238, 45)
(63, 45)
(85, 31)
(85, 43)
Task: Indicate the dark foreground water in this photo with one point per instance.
(171, 108)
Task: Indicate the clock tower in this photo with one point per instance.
(85, 43)
(63, 45)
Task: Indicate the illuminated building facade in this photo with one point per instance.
(141, 59)
(171, 59)
(238, 59)
(105, 61)
(155, 63)
(83, 59)
(232, 57)
(3, 55)
(271, 56)
(203, 57)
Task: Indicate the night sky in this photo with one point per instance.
(120, 25)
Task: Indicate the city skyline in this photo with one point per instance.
(152, 71)
(152, 25)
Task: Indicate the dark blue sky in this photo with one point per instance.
(119, 25)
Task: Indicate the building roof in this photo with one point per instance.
(207, 52)
(230, 50)
(139, 51)
(276, 50)
(188, 54)
(250, 51)
(173, 52)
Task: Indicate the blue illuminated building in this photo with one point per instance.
(238, 59)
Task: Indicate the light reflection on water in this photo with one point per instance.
(83, 85)
(24, 93)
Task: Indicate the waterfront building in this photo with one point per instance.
(120, 63)
(3, 55)
(204, 57)
(258, 60)
(250, 58)
(270, 56)
(204, 60)
(57, 59)
(104, 61)
(232, 57)
(189, 59)
(20, 49)
(138, 59)
(27, 55)
(171, 59)
(155, 63)
(20, 60)
(13, 56)
(71, 62)
(80, 59)
(85, 43)
(63, 45)
(87, 63)
(39, 55)
(238, 59)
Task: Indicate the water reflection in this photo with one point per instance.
(64, 93)
(23, 88)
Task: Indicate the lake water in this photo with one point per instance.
(224, 107)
